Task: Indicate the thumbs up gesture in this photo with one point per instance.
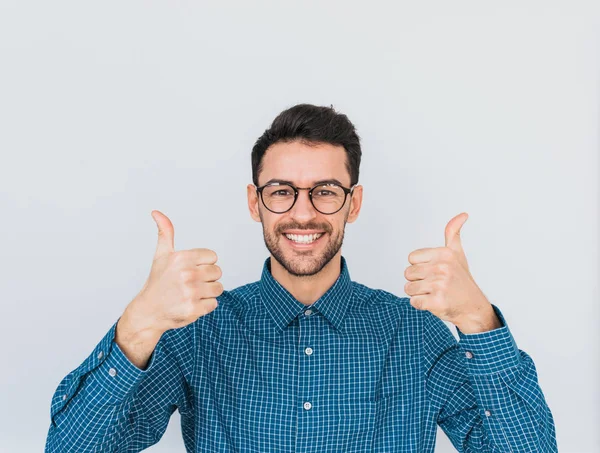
(182, 286)
(439, 281)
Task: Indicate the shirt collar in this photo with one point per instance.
(283, 307)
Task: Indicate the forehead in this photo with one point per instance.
(304, 164)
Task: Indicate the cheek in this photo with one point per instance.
(338, 227)
(270, 226)
(268, 223)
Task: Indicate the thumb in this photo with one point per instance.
(166, 234)
(452, 232)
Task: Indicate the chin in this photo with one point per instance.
(303, 263)
(300, 265)
(303, 271)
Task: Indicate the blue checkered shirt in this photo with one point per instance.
(360, 370)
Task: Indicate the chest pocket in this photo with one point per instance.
(356, 424)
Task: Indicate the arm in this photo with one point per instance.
(108, 404)
(122, 396)
(486, 391)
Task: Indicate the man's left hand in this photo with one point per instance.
(439, 281)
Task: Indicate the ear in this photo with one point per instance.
(355, 203)
(253, 202)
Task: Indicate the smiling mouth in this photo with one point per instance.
(303, 239)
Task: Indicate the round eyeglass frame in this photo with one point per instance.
(346, 190)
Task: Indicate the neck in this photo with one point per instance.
(309, 289)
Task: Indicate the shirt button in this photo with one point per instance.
(487, 413)
(65, 397)
(112, 372)
(308, 351)
(308, 312)
(307, 406)
(100, 355)
(469, 354)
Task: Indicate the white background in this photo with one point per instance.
(109, 110)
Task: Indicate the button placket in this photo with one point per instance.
(307, 374)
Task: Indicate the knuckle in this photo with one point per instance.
(210, 272)
(219, 272)
(188, 294)
(443, 268)
(212, 304)
(417, 303)
(206, 306)
(216, 289)
(202, 272)
(186, 275)
(443, 284)
(210, 255)
(178, 258)
(437, 285)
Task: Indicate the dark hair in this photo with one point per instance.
(310, 124)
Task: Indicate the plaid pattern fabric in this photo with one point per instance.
(360, 370)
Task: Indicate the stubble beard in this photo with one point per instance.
(303, 263)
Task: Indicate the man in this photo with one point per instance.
(305, 359)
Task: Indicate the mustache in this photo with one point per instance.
(310, 226)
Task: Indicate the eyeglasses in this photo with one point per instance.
(326, 198)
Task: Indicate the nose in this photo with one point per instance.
(303, 210)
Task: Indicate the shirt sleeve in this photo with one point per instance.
(485, 390)
(108, 404)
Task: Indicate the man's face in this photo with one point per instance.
(303, 165)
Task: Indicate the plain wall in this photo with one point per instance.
(110, 110)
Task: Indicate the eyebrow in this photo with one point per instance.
(315, 183)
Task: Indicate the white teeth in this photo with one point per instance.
(304, 238)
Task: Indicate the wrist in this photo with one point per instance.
(136, 343)
(482, 321)
(133, 327)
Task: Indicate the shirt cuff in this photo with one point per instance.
(490, 352)
(116, 374)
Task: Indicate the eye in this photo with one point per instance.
(281, 192)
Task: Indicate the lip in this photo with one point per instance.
(304, 246)
(302, 231)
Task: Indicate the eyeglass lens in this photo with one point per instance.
(327, 198)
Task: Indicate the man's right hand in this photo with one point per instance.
(182, 286)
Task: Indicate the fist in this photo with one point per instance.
(182, 286)
(439, 280)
